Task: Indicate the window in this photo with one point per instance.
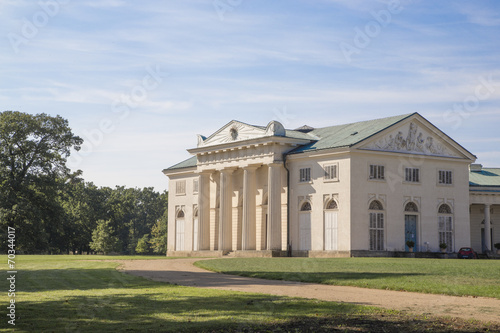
(180, 187)
(445, 177)
(306, 207)
(332, 204)
(411, 207)
(376, 226)
(377, 172)
(376, 205)
(412, 175)
(377, 231)
(195, 186)
(305, 175)
(445, 226)
(444, 209)
(331, 172)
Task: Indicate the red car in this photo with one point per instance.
(467, 253)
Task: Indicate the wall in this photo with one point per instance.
(394, 193)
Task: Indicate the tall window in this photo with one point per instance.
(377, 172)
(376, 226)
(305, 175)
(179, 231)
(445, 177)
(180, 187)
(412, 175)
(331, 172)
(331, 226)
(445, 226)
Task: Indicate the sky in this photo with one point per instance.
(137, 80)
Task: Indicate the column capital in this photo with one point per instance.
(206, 172)
(275, 164)
(227, 171)
(251, 167)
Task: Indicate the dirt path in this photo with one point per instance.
(182, 272)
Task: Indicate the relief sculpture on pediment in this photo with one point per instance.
(412, 142)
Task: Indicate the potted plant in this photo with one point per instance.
(443, 247)
(497, 246)
(410, 245)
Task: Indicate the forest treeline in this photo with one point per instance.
(54, 210)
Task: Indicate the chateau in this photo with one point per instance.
(360, 189)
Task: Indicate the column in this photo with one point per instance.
(225, 225)
(249, 209)
(487, 227)
(274, 208)
(204, 211)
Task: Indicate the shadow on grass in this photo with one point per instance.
(240, 278)
(178, 310)
(326, 278)
(73, 279)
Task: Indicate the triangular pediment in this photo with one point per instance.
(236, 131)
(415, 135)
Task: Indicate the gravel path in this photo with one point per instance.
(183, 272)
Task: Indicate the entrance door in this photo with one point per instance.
(411, 230)
(179, 235)
(195, 234)
(331, 231)
(305, 231)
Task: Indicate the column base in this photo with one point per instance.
(201, 254)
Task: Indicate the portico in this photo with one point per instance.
(242, 188)
(484, 207)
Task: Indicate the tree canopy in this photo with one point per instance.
(56, 211)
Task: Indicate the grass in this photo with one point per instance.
(434, 276)
(68, 294)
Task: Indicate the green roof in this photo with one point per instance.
(348, 135)
(485, 177)
(190, 162)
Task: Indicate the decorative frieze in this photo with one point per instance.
(411, 140)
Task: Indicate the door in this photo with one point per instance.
(305, 231)
(331, 231)
(195, 234)
(411, 231)
(179, 235)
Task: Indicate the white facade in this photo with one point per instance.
(355, 189)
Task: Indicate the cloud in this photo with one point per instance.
(483, 16)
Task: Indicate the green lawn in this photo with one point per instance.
(436, 276)
(69, 294)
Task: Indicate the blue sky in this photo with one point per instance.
(139, 79)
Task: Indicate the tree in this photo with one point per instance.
(33, 153)
(159, 235)
(103, 239)
(143, 245)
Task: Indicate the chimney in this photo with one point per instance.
(476, 167)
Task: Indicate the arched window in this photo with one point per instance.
(444, 209)
(305, 226)
(306, 206)
(411, 207)
(332, 204)
(376, 205)
(331, 226)
(196, 213)
(376, 228)
(445, 226)
(179, 231)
